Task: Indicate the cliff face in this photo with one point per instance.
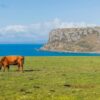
(74, 39)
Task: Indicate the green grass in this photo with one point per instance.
(53, 78)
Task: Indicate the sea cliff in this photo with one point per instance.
(74, 39)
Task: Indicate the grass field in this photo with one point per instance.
(53, 78)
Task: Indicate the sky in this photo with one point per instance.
(30, 21)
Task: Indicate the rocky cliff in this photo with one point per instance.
(74, 39)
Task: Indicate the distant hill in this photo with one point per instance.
(85, 39)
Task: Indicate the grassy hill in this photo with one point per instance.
(53, 78)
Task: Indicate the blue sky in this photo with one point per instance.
(29, 21)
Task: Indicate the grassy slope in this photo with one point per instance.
(53, 78)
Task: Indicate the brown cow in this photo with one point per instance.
(6, 61)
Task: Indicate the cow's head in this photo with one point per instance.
(0, 65)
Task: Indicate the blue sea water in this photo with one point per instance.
(32, 50)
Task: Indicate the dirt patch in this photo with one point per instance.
(31, 79)
(52, 90)
(67, 85)
(78, 86)
(31, 70)
(36, 87)
(22, 90)
(25, 91)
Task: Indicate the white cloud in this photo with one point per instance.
(36, 32)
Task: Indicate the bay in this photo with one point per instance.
(33, 50)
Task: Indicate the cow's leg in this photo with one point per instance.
(0, 68)
(8, 68)
(5, 65)
(21, 67)
(4, 68)
(18, 67)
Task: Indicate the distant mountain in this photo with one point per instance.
(85, 39)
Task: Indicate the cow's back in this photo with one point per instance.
(12, 59)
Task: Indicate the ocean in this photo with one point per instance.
(33, 50)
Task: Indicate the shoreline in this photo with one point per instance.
(41, 49)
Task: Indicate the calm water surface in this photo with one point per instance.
(32, 50)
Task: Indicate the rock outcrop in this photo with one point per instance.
(74, 39)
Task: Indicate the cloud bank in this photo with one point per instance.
(36, 32)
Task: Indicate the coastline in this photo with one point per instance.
(63, 51)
